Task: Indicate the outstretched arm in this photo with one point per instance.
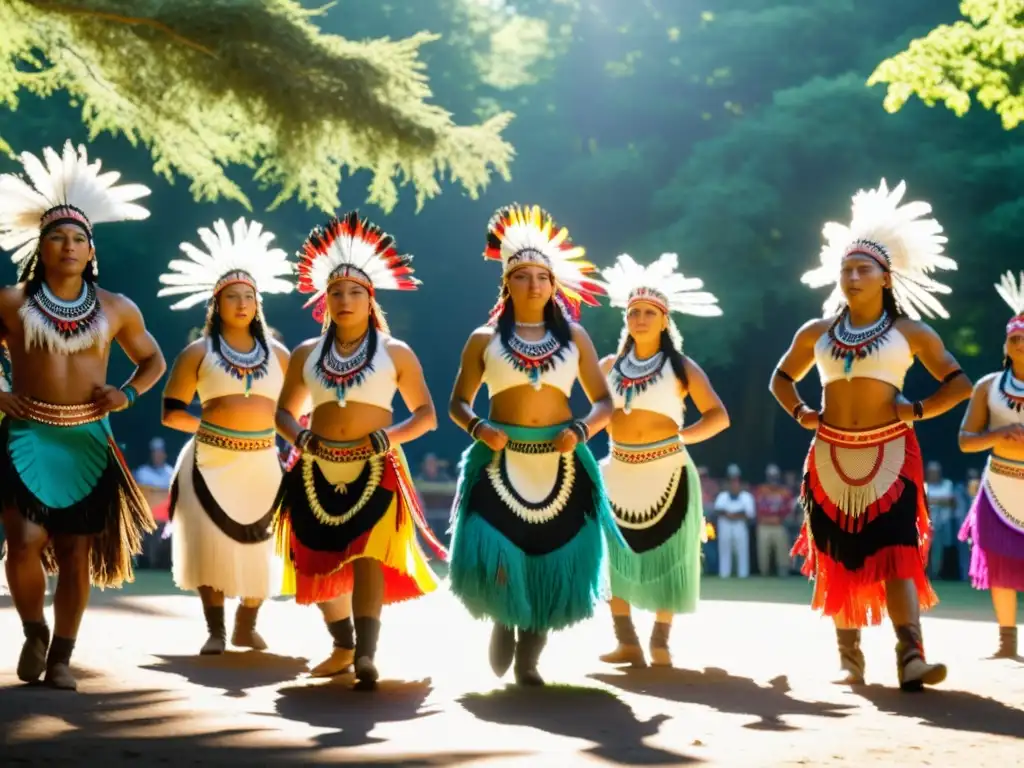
(181, 389)
(713, 416)
(594, 383)
(412, 386)
(141, 348)
(955, 387)
(794, 365)
(294, 395)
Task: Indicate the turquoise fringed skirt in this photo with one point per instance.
(655, 496)
(528, 548)
(73, 481)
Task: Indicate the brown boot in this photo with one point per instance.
(661, 656)
(32, 662)
(216, 643)
(1007, 643)
(528, 648)
(851, 658)
(628, 651)
(58, 665)
(913, 670)
(245, 634)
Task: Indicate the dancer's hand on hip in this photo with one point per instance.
(565, 441)
(492, 437)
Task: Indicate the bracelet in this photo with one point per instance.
(918, 410)
(303, 438)
(474, 427)
(380, 441)
(798, 411)
(131, 393)
(581, 429)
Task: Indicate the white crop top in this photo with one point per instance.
(878, 352)
(344, 380)
(644, 385)
(530, 363)
(253, 374)
(1005, 409)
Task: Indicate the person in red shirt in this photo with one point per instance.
(774, 501)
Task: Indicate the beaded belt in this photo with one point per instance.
(63, 415)
(1006, 468)
(641, 454)
(862, 438)
(342, 452)
(527, 446)
(233, 440)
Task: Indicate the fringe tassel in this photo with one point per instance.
(496, 580)
(666, 578)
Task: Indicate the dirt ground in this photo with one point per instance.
(751, 689)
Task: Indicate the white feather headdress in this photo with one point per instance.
(60, 189)
(660, 284)
(1012, 292)
(241, 255)
(902, 238)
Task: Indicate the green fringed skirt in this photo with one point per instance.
(72, 481)
(655, 496)
(527, 545)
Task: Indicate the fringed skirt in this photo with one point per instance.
(223, 499)
(527, 543)
(340, 504)
(655, 496)
(995, 527)
(63, 471)
(866, 520)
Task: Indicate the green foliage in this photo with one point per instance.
(206, 84)
(983, 55)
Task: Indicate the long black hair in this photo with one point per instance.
(554, 319)
(675, 356)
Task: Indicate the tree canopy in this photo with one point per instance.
(209, 84)
(982, 55)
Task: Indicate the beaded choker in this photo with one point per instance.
(64, 327)
(632, 377)
(244, 366)
(849, 344)
(343, 373)
(534, 358)
(1012, 391)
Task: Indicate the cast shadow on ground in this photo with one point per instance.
(352, 714)
(234, 672)
(591, 714)
(725, 693)
(118, 604)
(950, 710)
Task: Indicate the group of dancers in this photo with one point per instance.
(541, 531)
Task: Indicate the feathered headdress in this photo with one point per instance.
(67, 189)
(521, 236)
(661, 285)
(1012, 292)
(241, 255)
(351, 248)
(900, 238)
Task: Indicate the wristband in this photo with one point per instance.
(475, 422)
(581, 430)
(131, 393)
(798, 411)
(479, 423)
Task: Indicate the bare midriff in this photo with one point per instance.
(353, 422)
(859, 404)
(525, 406)
(55, 378)
(640, 427)
(241, 413)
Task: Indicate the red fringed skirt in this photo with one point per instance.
(336, 511)
(866, 520)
